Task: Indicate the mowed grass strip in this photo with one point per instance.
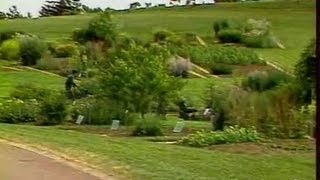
(133, 158)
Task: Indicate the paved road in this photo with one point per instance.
(18, 164)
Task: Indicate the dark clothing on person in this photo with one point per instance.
(70, 82)
(69, 85)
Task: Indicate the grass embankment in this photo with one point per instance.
(293, 22)
(10, 78)
(133, 158)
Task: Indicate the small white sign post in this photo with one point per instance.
(115, 125)
(179, 127)
(79, 119)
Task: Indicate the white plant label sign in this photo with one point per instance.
(79, 119)
(115, 125)
(179, 127)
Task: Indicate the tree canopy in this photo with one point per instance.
(60, 8)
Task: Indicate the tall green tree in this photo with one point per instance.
(3, 15)
(60, 8)
(138, 78)
(14, 13)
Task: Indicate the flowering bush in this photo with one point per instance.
(229, 135)
(18, 111)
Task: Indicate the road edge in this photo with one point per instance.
(61, 158)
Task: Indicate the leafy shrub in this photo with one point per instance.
(138, 77)
(252, 33)
(100, 111)
(124, 41)
(66, 50)
(306, 69)
(179, 67)
(216, 99)
(18, 111)
(31, 50)
(30, 91)
(148, 127)
(191, 38)
(229, 135)
(10, 50)
(274, 113)
(80, 35)
(253, 27)
(168, 37)
(230, 36)
(100, 28)
(209, 56)
(53, 110)
(95, 52)
(48, 63)
(265, 41)
(6, 35)
(224, 24)
(220, 69)
(262, 81)
(162, 35)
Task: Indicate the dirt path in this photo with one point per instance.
(19, 164)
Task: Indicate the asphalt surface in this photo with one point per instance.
(19, 164)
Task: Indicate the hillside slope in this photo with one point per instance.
(292, 21)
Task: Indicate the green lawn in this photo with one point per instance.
(10, 79)
(132, 158)
(293, 23)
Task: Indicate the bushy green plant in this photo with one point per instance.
(162, 35)
(49, 63)
(230, 36)
(138, 77)
(95, 52)
(5, 35)
(100, 28)
(306, 69)
(19, 111)
(252, 33)
(274, 112)
(98, 111)
(10, 49)
(283, 108)
(30, 91)
(207, 57)
(229, 135)
(66, 50)
(263, 41)
(191, 38)
(53, 110)
(149, 126)
(31, 50)
(217, 101)
(224, 24)
(124, 41)
(262, 81)
(221, 69)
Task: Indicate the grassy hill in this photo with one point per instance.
(11, 76)
(292, 21)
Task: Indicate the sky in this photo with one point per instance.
(33, 6)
